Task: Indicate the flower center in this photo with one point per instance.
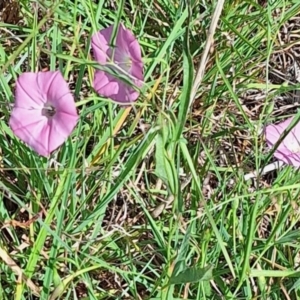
(294, 146)
(122, 59)
(126, 63)
(48, 111)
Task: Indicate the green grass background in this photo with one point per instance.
(150, 202)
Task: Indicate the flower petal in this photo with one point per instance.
(283, 154)
(26, 96)
(273, 132)
(22, 117)
(61, 127)
(288, 150)
(105, 84)
(137, 72)
(124, 38)
(119, 91)
(64, 123)
(100, 44)
(44, 81)
(29, 127)
(55, 88)
(41, 134)
(290, 159)
(296, 131)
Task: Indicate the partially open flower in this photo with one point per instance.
(44, 114)
(288, 150)
(124, 58)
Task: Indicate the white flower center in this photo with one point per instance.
(122, 59)
(126, 64)
(48, 111)
(294, 145)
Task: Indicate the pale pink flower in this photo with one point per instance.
(288, 150)
(44, 113)
(124, 59)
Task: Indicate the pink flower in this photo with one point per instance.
(44, 113)
(125, 59)
(288, 150)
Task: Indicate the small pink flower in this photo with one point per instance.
(126, 55)
(44, 113)
(288, 150)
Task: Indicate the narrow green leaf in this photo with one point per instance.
(188, 78)
(160, 167)
(193, 274)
